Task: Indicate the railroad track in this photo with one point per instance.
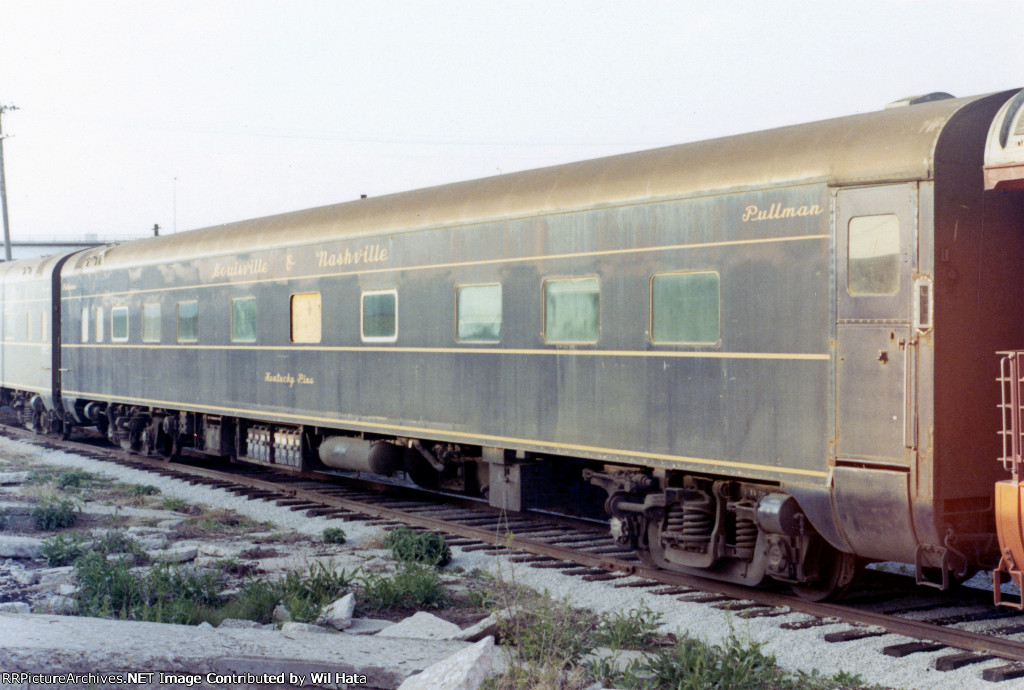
(964, 623)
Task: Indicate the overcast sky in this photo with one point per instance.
(192, 113)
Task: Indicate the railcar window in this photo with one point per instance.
(379, 316)
(99, 324)
(685, 308)
(572, 310)
(151, 323)
(119, 324)
(9, 321)
(85, 324)
(42, 325)
(874, 264)
(188, 322)
(306, 320)
(478, 313)
(243, 320)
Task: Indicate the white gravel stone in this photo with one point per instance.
(58, 604)
(229, 623)
(218, 550)
(149, 538)
(281, 614)
(484, 628)
(295, 627)
(423, 626)
(56, 576)
(23, 576)
(12, 546)
(464, 670)
(339, 614)
(174, 554)
(367, 626)
(14, 607)
(9, 478)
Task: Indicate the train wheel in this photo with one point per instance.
(169, 446)
(654, 554)
(836, 570)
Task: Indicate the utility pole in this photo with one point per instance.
(3, 184)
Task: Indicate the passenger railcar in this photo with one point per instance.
(30, 351)
(769, 355)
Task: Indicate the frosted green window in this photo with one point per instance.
(380, 316)
(119, 324)
(572, 310)
(874, 244)
(685, 308)
(243, 320)
(478, 312)
(151, 323)
(188, 321)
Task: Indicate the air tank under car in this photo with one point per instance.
(359, 455)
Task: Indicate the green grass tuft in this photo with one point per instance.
(632, 630)
(74, 479)
(428, 548)
(52, 513)
(165, 593)
(133, 490)
(333, 535)
(60, 550)
(413, 585)
(175, 503)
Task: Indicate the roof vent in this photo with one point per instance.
(916, 100)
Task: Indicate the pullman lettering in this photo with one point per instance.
(754, 213)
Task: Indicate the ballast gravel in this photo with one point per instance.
(794, 650)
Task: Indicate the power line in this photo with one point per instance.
(3, 184)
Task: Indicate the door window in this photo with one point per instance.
(874, 260)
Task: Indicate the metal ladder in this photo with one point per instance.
(1009, 499)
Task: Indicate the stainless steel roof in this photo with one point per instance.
(893, 144)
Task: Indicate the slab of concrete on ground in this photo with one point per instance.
(49, 644)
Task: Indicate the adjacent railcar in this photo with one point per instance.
(771, 353)
(30, 352)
